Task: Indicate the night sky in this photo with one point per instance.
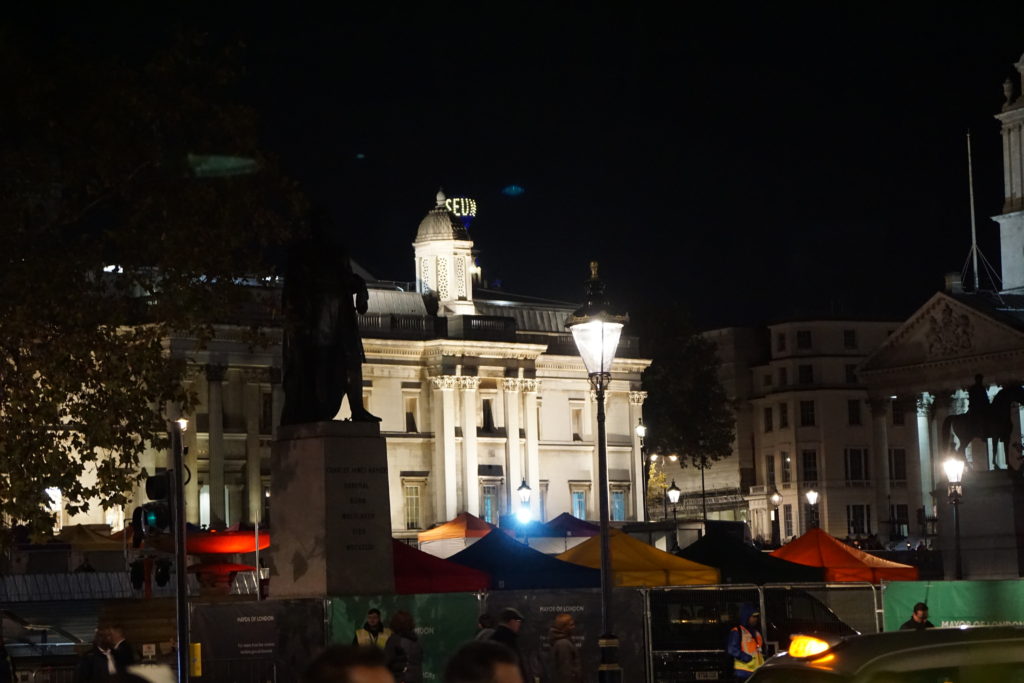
(748, 162)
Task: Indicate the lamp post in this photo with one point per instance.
(596, 330)
(776, 500)
(524, 491)
(673, 497)
(812, 501)
(181, 583)
(641, 433)
(954, 468)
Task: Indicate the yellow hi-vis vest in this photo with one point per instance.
(365, 638)
(751, 643)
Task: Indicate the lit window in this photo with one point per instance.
(412, 506)
(618, 506)
(579, 504)
(489, 503)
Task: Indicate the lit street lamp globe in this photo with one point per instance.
(812, 497)
(673, 493)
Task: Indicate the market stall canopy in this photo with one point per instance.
(739, 562)
(841, 562)
(449, 538)
(513, 565)
(84, 539)
(567, 525)
(634, 563)
(420, 572)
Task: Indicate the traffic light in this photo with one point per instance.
(163, 572)
(153, 517)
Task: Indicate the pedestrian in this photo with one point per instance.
(509, 622)
(373, 632)
(121, 653)
(485, 627)
(93, 665)
(918, 621)
(565, 663)
(349, 664)
(483, 661)
(403, 650)
(746, 646)
(7, 671)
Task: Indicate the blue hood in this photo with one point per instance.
(746, 609)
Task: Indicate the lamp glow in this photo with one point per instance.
(775, 499)
(812, 497)
(182, 423)
(641, 429)
(954, 468)
(673, 493)
(524, 515)
(524, 492)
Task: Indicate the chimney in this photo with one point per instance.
(954, 284)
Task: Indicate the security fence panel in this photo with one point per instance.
(689, 628)
(540, 607)
(443, 621)
(833, 609)
(270, 640)
(955, 603)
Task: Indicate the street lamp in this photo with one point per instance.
(524, 515)
(812, 500)
(178, 520)
(954, 468)
(641, 433)
(673, 496)
(776, 500)
(596, 330)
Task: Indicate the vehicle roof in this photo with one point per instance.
(911, 650)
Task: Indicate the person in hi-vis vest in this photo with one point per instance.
(373, 632)
(746, 646)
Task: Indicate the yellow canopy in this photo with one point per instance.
(83, 538)
(634, 563)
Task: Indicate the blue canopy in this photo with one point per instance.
(513, 565)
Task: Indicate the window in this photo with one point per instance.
(412, 506)
(411, 413)
(783, 415)
(851, 374)
(807, 522)
(899, 521)
(576, 412)
(853, 412)
(768, 379)
(787, 469)
(768, 419)
(787, 520)
(850, 339)
(858, 519)
(488, 415)
(810, 464)
(783, 377)
(618, 502)
(805, 374)
(898, 416)
(806, 413)
(898, 466)
(803, 339)
(579, 504)
(856, 461)
(780, 341)
(769, 470)
(266, 413)
(489, 503)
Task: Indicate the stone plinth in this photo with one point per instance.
(991, 526)
(329, 511)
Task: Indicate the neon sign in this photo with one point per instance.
(461, 206)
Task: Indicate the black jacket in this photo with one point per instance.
(506, 636)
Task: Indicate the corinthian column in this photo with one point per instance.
(530, 389)
(445, 466)
(880, 410)
(639, 484)
(215, 402)
(470, 456)
(513, 456)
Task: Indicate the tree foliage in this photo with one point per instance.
(687, 411)
(95, 172)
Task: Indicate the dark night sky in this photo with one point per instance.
(754, 161)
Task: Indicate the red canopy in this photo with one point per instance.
(841, 562)
(420, 572)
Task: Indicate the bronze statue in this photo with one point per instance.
(982, 419)
(323, 354)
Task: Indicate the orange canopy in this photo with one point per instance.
(464, 525)
(841, 562)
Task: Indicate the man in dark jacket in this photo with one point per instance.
(746, 646)
(918, 621)
(509, 622)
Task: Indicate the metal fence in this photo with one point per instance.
(98, 586)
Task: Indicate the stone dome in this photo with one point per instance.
(440, 224)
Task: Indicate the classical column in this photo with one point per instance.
(636, 411)
(445, 459)
(880, 411)
(513, 457)
(215, 402)
(941, 407)
(276, 398)
(191, 460)
(470, 456)
(253, 481)
(924, 450)
(530, 388)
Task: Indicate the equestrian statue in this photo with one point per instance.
(984, 420)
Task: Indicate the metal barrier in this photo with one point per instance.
(98, 586)
(52, 674)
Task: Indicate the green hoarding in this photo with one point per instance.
(443, 622)
(955, 603)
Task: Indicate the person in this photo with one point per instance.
(485, 627)
(509, 622)
(373, 632)
(85, 566)
(7, 671)
(93, 665)
(349, 664)
(122, 654)
(746, 646)
(918, 621)
(483, 661)
(566, 666)
(403, 650)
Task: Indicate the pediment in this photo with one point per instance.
(942, 332)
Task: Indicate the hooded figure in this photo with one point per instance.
(565, 666)
(746, 646)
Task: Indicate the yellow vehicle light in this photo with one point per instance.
(806, 646)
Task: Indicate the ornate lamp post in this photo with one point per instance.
(524, 491)
(641, 433)
(812, 501)
(596, 330)
(776, 500)
(954, 468)
(673, 497)
(178, 520)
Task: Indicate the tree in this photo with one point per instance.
(110, 242)
(687, 411)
